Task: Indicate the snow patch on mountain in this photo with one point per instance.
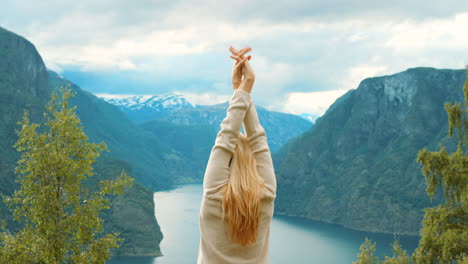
(309, 117)
(169, 103)
(136, 102)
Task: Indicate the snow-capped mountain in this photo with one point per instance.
(177, 109)
(309, 117)
(147, 107)
(136, 102)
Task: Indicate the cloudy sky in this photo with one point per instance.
(305, 53)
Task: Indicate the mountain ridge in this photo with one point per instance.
(150, 107)
(25, 84)
(357, 165)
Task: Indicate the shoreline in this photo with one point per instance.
(347, 227)
(413, 235)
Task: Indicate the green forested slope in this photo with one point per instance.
(131, 214)
(161, 152)
(357, 165)
(105, 122)
(190, 148)
(24, 84)
(279, 126)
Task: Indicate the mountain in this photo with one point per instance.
(309, 117)
(190, 148)
(357, 165)
(144, 145)
(25, 84)
(280, 127)
(146, 107)
(103, 121)
(131, 214)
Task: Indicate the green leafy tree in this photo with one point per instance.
(366, 254)
(444, 236)
(58, 211)
(400, 256)
(367, 249)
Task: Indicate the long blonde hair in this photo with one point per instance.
(242, 193)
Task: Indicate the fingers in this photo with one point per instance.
(243, 51)
(247, 64)
(241, 62)
(247, 69)
(233, 50)
(238, 58)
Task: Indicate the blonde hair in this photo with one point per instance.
(241, 200)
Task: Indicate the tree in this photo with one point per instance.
(400, 256)
(367, 249)
(59, 213)
(366, 254)
(444, 235)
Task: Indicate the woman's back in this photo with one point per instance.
(216, 246)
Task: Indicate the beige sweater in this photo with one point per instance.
(215, 245)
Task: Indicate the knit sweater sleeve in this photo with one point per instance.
(257, 138)
(217, 169)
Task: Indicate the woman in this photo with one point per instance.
(239, 183)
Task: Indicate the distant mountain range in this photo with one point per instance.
(309, 117)
(147, 107)
(280, 127)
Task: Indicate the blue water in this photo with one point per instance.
(292, 239)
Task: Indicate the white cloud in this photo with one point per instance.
(448, 33)
(126, 65)
(357, 37)
(299, 47)
(359, 73)
(120, 53)
(312, 103)
(203, 98)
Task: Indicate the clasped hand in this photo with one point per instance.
(242, 68)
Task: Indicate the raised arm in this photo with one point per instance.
(217, 169)
(257, 138)
(254, 130)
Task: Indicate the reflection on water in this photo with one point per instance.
(292, 240)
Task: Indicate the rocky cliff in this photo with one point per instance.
(25, 84)
(357, 165)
